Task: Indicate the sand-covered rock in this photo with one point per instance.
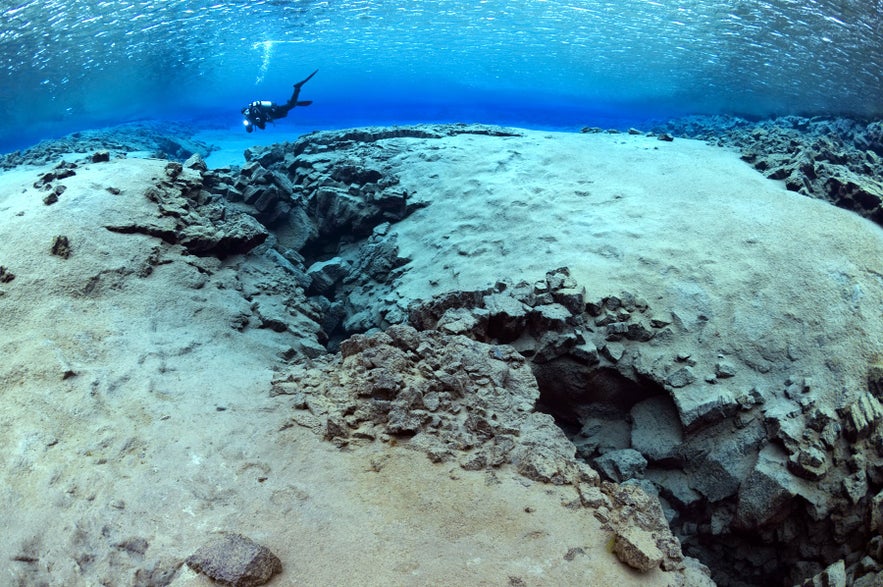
(163, 140)
(235, 560)
(516, 306)
(138, 421)
(839, 160)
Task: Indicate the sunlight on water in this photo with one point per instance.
(74, 60)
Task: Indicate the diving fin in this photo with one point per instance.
(304, 103)
(299, 84)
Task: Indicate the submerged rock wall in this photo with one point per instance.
(766, 484)
(460, 400)
(330, 199)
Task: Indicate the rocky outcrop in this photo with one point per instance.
(464, 401)
(839, 160)
(166, 140)
(192, 217)
(331, 215)
(728, 457)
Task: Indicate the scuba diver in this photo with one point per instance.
(259, 113)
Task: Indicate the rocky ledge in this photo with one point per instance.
(163, 140)
(839, 160)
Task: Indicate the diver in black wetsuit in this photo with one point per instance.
(258, 114)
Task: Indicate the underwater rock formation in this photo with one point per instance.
(766, 467)
(839, 160)
(165, 140)
(731, 465)
(461, 400)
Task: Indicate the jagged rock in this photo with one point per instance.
(680, 378)
(553, 345)
(548, 317)
(235, 236)
(861, 416)
(656, 430)
(877, 513)
(875, 380)
(724, 370)
(833, 576)
(507, 316)
(462, 321)
(102, 156)
(633, 508)
(637, 548)
(61, 247)
(6, 275)
(233, 559)
(719, 473)
(400, 368)
(809, 462)
(701, 406)
(324, 275)
(377, 258)
(765, 492)
(619, 465)
(572, 298)
(187, 216)
(195, 161)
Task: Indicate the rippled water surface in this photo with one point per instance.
(75, 63)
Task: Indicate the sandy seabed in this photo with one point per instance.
(135, 421)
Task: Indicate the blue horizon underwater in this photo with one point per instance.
(77, 65)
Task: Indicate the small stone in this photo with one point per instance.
(61, 247)
(233, 559)
(833, 576)
(637, 548)
(619, 465)
(196, 162)
(680, 378)
(585, 353)
(326, 274)
(100, 156)
(613, 351)
(724, 370)
(6, 275)
(659, 322)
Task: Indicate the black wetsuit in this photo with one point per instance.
(259, 113)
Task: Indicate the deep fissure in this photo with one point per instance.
(603, 367)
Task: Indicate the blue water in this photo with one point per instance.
(75, 64)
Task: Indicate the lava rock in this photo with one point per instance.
(619, 465)
(862, 416)
(656, 430)
(701, 406)
(61, 247)
(637, 548)
(326, 274)
(765, 492)
(235, 560)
